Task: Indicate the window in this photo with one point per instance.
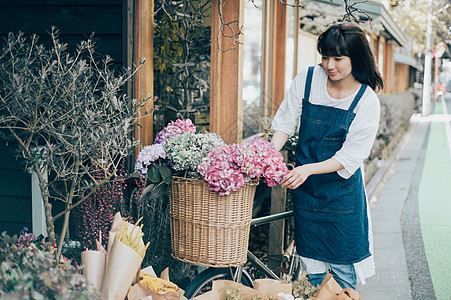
(270, 32)
(252, 67)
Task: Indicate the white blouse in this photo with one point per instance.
(355, 149)
(362, 131)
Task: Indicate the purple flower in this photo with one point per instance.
(174, 128)
(149, 155)
(25, 237)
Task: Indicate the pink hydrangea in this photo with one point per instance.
(260, 158)
(227, 168)
(276, 170)
(175, 128)
(253, 156)
(220, 171)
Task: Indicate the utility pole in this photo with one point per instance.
(427, 66)
(440, 49)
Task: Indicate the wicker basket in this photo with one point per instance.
(209, 229)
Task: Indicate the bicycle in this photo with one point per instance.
(202, 282)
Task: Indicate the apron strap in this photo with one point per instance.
(308, 82)
(357, 97)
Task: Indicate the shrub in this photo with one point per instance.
(29, 271)
(396, 110)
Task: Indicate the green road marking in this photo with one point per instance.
(438, 108)
(435, 207)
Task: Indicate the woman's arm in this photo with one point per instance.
(361, 135)
(279, 139)
(298, 175)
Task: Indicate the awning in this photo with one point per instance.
(407, 60)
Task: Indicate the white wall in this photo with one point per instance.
(307, 54)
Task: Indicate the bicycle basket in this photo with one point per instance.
(209, 229)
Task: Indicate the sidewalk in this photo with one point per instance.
(411, 208)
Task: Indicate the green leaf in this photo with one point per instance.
(153, 174)
(10, 239)
(166, 174)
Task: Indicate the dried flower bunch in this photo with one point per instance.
(236, 295)
(151, 283)
(302, 288)
(132, 239)
(226, 168)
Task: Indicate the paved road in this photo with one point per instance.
(411, 213)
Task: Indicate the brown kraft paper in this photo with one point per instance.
(220, 287)
(93, 263)
(271, 287)
(331, 290)
(123, 263)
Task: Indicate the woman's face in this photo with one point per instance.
(337, 67)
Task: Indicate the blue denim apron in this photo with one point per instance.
(331, 223)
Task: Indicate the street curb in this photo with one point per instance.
(421, 285)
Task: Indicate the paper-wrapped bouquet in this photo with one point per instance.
(112, 272)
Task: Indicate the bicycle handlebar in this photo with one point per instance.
(270, 218)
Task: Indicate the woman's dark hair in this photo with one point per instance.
(347, 39)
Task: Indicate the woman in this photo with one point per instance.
(339, 117)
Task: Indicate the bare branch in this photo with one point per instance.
(228, 25)
(291, 5)
(92, 191)
(350, 10)
(68, 115)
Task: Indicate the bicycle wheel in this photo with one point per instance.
(203, 282)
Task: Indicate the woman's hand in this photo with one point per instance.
(299, 175)
(296, 177)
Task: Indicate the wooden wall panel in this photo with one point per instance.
(278, 55)
(397, 78)
(401, 78)
(69, 19)
(15, 191)
(275, 34)
(390, 65)
(14, 209)
(15, 182)
(143, 80)
(226, 101)
(267, 58)
(297, 48)
(374, 45)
